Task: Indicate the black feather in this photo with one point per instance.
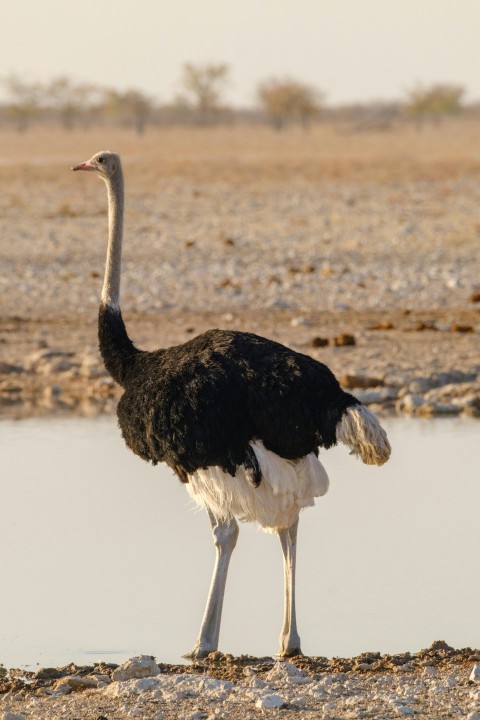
(201, 403)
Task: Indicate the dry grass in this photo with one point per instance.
(241, 154)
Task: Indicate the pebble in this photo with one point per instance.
(376, 395)
(8, 368)
(270, 701)
(346, 695)
(409, 404)
(284, 671)
(475, 674)
(137, 667)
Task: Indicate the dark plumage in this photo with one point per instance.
(200, 403)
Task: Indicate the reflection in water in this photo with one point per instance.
(103, 556)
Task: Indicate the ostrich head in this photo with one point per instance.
(105, 164)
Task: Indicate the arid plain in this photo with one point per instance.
(358, 248)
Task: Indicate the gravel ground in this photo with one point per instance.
(439, 682)
(361, 251)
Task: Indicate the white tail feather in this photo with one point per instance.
(361, 431)
(287, 487)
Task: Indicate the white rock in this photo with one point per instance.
(137, 667)
(409, 403)
(475, 674)
(286, 672)
(127, 688)
(376, 395)
(56, 365)
(439, 408)
(101, 678)
(270, 701)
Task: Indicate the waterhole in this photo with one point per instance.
(104, 557)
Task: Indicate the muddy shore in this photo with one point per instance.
(438, 682)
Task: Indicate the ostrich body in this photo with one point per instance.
(238, 418)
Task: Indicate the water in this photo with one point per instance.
(103, 557)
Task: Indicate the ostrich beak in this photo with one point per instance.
(83, 166)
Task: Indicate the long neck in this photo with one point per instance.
(117, 350)
(111, 283)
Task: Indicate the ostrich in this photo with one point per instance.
(239, 419)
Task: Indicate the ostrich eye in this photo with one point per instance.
(101, 159)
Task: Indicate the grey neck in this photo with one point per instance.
(111, 283)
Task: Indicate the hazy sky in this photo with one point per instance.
(351, 49)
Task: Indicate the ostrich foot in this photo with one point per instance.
(198, 652)
(289, 652)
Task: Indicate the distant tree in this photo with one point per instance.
(285, 101)
(203, 87)
(433, 103)
(24, 100)
(132, 108)
(70, 101)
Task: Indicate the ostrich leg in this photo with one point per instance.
(289, 637)
(225, 535)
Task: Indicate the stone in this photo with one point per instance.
(286, 671)
(56, 365)
(13, 716)
(376, 395)
(49, 360)
(101, 678)
(75, 682)
(270, 701)
(439, 408)
(7, 369)
(461, 328)
(318, 341)
(409, 404)
(78, 682)
(137, 667)
(362, 382)
(475, 674)
(52, 391)
(48, 674)
(343, 340)
(421, 385)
